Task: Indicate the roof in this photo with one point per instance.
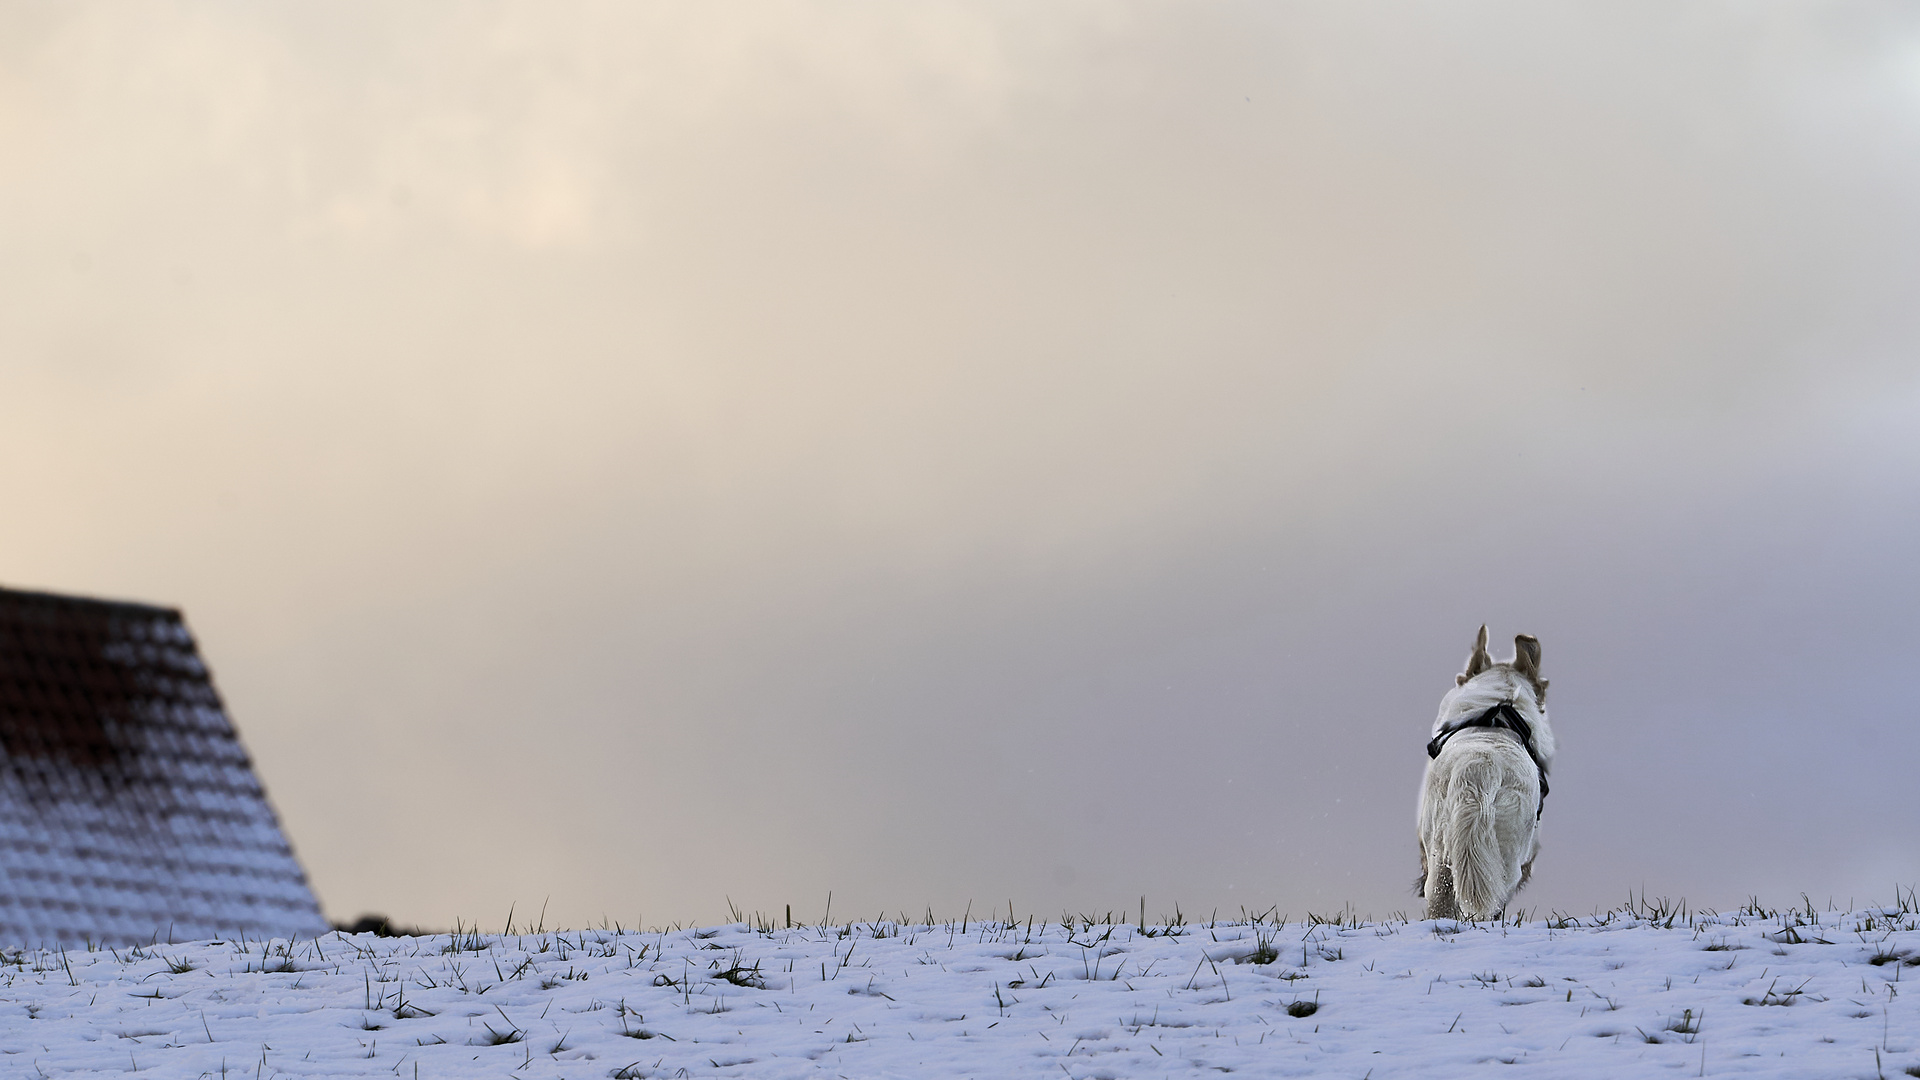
(129, 810)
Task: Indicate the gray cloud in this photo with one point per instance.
(643, 456)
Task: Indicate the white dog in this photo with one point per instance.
(1486, 785)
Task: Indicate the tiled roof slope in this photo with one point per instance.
(128, 808)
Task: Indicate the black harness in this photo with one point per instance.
(1506, 718)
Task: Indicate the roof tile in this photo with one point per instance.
(129, 810)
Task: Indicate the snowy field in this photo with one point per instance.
(1645, 992)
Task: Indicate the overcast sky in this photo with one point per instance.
(628, 457)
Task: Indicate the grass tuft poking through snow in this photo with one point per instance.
(1650, 987)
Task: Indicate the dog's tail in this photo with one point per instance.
(1485, 859)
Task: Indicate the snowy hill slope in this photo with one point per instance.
(1645, 992)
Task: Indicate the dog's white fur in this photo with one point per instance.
(1479, 804)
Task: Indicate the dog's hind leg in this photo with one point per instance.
(1440, 900)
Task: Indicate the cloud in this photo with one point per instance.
(908, 450)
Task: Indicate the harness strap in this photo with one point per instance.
(1503, 717)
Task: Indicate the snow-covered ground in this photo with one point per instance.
(1786, 994)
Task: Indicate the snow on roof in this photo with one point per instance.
(128, 808)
